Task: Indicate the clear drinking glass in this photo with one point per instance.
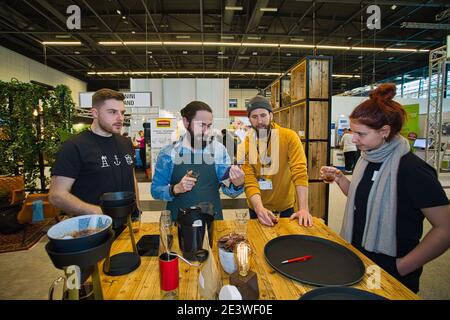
(241, 219)
(165, 230)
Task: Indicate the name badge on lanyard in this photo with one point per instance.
(265, 184)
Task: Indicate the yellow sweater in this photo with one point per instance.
(287, 168)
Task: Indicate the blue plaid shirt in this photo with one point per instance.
(164, 167)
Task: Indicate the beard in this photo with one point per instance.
(262, 130)
(111, 128)
(197, 141)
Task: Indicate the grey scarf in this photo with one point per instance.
(380, 231)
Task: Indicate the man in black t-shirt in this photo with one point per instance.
(95, 161)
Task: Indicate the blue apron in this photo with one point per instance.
(205, 190)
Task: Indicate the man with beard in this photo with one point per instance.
(95, 161)
(275, 168)
(191, 170)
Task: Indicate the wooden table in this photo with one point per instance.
(143, 283)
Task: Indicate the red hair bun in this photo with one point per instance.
(385, 91)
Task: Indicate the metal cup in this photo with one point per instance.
(168, 275)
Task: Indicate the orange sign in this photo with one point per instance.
(163, 123)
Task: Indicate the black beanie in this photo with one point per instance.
(258, 102)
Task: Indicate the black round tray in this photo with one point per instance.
(340, 293)
(331, 265)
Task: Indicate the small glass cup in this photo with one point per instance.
(165, 230)
(329, 176)
(277, 215)
(136, 222)
(241, 222)
(192, 173)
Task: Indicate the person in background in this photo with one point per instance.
(349, 149)
(230, 142)
(141, 141)
(391, 192)
(241, 131)
(276, 178)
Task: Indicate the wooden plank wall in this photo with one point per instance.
(316, 103)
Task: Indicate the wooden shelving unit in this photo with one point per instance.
(308, 114)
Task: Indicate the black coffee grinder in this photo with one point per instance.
(120, 206)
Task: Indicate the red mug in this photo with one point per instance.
(168, 271)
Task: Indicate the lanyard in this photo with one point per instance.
(267, 160)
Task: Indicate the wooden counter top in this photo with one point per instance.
(143, 283)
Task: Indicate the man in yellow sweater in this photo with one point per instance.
(275, 168)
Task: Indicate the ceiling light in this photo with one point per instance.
(262, 27)
(400, 44)
(367, 48)
(258, 44)
(393, 7)
(254, 38)
(401, 50)
(268, 9)
(390, 58)
(133, 32)
(149, 52)
(243, 57)
(76, 52)
(349, 38)
(123, 17)
(62, 36)
(297, 39)
(61, 43)
(204, 72)
(254, 53)
(333, 47)
(118, 11)
(360, 57)
(185, 52)
(346, 76)
(233, 8)
(288, 54)
(164, 26)
(227, 37)
(222, 57)
(220, 52)
(183, 37)
(296, 45)
(220, 44)
(243, 44)
(113, 52)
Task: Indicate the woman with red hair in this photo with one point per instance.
(391, 192)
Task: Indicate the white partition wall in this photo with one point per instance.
(177, 93)
(152, 85)
(173, 94)
(215, 93)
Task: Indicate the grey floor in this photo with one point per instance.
(28, 274)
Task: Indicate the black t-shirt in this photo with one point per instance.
(417, 188)
(98, 165)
